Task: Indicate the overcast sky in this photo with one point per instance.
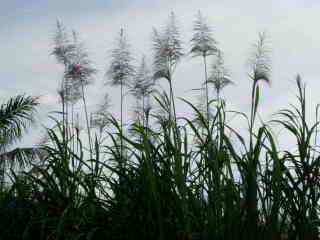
(27, 28)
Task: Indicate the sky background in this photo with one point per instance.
(27, 29)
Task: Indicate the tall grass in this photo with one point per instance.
(172, 179)
(197, 186)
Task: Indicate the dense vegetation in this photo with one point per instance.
(162, 176)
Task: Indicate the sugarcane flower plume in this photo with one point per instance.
(143, 82)
(63, 48)
(100, 118)
(260, 60)
(202, 42)
(121, 69)
(168, 49)
(80, 70)
(219, 75)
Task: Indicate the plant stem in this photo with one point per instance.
(206, 82)
(87, 118)
(121, 122)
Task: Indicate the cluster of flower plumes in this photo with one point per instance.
(167, 53)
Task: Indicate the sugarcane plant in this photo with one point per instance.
(120, 71)
(219, 76)
(141, 89)
(63, 50)
(174, 177)
(168, 52)
(260, 72)
(203, 45)
(100, 118)
(81, 73)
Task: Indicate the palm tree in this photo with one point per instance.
(203, 45)
(15, 117)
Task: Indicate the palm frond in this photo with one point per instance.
(15, 117)
(22, 157)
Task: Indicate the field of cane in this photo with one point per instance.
(163, 175)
